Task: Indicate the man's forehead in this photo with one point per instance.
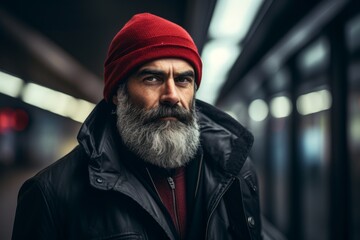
(165, 64)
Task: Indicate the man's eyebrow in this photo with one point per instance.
(188, 73)
(148, 71)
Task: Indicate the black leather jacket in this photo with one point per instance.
(91, 193)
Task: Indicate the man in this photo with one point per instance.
(152, 162)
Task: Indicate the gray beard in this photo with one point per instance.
(167, 144)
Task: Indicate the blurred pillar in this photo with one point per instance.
(295, 211)
(339, 160)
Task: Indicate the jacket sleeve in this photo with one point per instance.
(33, 219)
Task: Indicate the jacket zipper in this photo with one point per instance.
(172, 186)
(171, 183)
(215, 205)
(198, 177)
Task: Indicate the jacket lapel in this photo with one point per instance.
(99, 137)
(126, 183)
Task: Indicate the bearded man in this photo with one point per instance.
(152, 161)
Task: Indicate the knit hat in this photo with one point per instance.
(146, 37)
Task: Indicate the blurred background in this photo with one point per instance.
(287, 70)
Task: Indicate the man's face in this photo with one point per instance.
(165, 81)
(156, 114)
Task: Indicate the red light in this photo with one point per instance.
(3, 123)
(13, 119)
(20, 120)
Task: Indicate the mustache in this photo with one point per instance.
(163, 111)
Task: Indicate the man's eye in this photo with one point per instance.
(151, 79)
(184, 81)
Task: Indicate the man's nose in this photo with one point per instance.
(170, 95)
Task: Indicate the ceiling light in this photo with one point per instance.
(314, 55)
(56, 102)
(280, 107)
(10, 85)
(232, 18)
(314, 102)
(258, 110)
(217, 57)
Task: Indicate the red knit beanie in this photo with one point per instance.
(146, 37)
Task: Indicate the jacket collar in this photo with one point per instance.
(225, 140)
(98, 137)
(222, 137)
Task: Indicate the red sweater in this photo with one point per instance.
(172, 191)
